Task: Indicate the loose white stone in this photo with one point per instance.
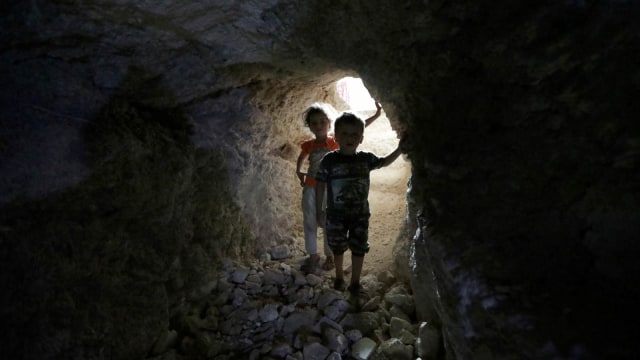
(315, 351)
(404, 302)
(314, 280)
(239, 297)
(265, 257)
(372, 304)
(335, 340)
(353, 335)
(387, 277)
(363, 349)
(299, 278)
(301, 318)
(273, 277)
(252, 287)
(406, 337)
(240, 275)
(286, 268)
(269, 312)
(270, 290)
(337, 310)
(428, 341)
(281, 350)
(255, 278)
(304, 295)
(366, 322)
(397, 325)
(326, 298)
(280, 252)
(325, 322)
(297, 356)
(396, 311)
(395, 349)
(287, 309)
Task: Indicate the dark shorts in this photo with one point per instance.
(348, 233)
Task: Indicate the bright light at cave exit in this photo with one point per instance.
(353, 92)
(380, 137)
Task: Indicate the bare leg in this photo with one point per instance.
(338, 261)
(328, 262)
(356, 268)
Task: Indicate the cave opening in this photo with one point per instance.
(388, 186)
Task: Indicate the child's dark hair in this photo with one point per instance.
(348, 119)
(315, 108)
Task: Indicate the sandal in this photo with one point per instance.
(338, 284)
(328, 264)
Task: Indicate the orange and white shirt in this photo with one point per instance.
(316, 151)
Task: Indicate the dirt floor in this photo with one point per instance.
(387, 200)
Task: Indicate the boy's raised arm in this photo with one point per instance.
(301, 158)
(374, 116)
(391, 157)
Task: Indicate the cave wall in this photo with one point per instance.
(140, 148)
(525, 170)
(143, 142)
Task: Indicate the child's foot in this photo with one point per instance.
(338, 284)
(310, 264)
(357, 291)
(357, 296)
(328, 264)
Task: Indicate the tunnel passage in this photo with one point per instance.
(523, 201)
(387, 196)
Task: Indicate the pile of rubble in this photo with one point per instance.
(272, 310)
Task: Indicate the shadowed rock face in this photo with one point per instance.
(142, 142)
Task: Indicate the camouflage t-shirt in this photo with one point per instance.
(347, 178)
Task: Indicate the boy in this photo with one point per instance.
(345, 172)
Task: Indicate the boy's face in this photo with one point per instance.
(349, 137)
(319, 124)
